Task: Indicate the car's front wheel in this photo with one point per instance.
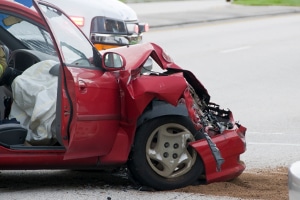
(161, 157)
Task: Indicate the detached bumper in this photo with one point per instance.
(231, 144)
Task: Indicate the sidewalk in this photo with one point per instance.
(171, 13)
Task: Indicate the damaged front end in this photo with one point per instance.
(224, 138)
(176, 91)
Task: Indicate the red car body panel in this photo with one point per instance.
(92, 119)
(42, 159)
(231, 146)
(102, 135)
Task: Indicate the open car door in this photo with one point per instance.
(85, 126)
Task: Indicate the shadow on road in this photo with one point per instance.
(60, 179)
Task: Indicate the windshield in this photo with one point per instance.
(31, 35)
(75, 48)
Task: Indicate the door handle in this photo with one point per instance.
(82, 86)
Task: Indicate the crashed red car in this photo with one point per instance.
(160, 125)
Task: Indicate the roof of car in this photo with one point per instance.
(18, 8)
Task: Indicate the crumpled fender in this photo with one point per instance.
(139, 92)
(135, 95)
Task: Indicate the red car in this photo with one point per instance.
(107, 112)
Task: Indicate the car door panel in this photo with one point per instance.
(96, 114)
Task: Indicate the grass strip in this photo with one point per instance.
(268, 2)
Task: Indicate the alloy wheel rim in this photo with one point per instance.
(168, 152)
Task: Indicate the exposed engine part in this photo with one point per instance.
(213, 118)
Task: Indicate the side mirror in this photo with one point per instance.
(113, 61)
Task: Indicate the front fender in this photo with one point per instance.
(138, 93)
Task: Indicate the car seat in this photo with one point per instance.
(11, 133)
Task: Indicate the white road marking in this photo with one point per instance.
(236, 49)
(275, 144)
(270, 133)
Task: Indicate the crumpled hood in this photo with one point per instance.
(136, 55)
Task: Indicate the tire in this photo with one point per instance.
(161, 157)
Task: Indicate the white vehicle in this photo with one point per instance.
(294, 181)
(107, 23)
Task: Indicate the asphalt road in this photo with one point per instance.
(249, 66)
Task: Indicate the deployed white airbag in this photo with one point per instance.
(34, 105)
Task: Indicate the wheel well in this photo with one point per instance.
(158, 108)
